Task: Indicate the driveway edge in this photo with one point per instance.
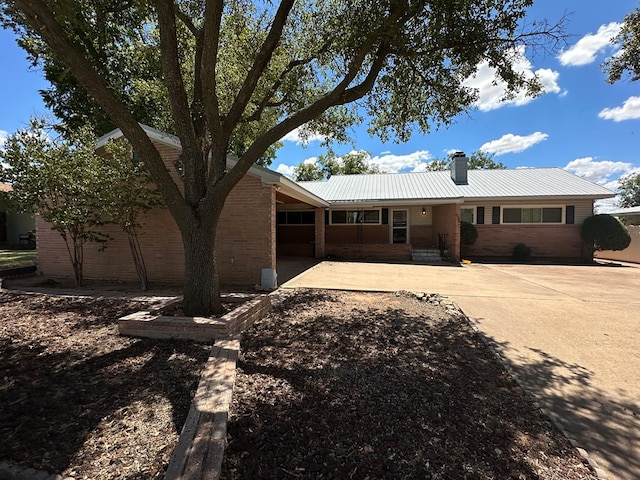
(600, 473)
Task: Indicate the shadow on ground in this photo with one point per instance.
(331, 389)
(55, 394)
(606, 424)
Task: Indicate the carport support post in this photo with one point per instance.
(319, 233)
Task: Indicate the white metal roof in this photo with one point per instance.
(519, 184)
(621, 212)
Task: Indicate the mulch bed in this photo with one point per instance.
(381, 386)
(77, 398)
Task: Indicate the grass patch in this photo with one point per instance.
(17, 258)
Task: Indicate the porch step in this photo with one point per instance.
(426, 255)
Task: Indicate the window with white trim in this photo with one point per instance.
(348, 217)
(467, 215)
(532, 215)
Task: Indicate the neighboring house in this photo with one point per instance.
(14, 227)
(383, 216)
(631, 218)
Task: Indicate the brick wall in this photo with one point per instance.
(247, 233)
(245, 241)
(361, 233)
(385, 251)
(421, 236)
(551, 241)
(445, 220)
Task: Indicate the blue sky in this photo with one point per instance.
(581, 123)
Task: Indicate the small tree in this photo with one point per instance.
(468, 235)
(605, 232)
(126, 192)
(57, 179)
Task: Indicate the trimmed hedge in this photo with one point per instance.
(468, 233)
(605, 232)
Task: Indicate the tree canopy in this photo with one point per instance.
(478, 160)
(239, 75)
(353, 163)
(629, 191)
(628, 59)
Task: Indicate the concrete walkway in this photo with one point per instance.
(571, 333)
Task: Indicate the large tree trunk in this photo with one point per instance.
(201, 286)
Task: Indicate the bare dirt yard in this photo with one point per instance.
(344, 385)
(77, 398)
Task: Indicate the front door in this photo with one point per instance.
(400, 226)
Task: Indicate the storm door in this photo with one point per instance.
(400, 226)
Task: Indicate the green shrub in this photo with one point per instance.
(521, 253)
(468, 233)
(605, 232)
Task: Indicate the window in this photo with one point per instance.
(552, 215)
(480, 215)
(532, 215)
(301, 217)
(466, 215)
(342, 217)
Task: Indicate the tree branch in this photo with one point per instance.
(260, 63)
(173, 75)
(338, 96)
(208, 79)
(43, 20)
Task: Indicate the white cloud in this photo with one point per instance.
(492, 90)
(3, 137)
(302, 136)
(394, 163)
(586, 49)
(629, 110)
(603, 172)
(286, 170)
(511, 143)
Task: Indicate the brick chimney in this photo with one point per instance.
(459, 166)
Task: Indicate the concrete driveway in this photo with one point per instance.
(571, 333)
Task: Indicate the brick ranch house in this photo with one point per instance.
(390, 217)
